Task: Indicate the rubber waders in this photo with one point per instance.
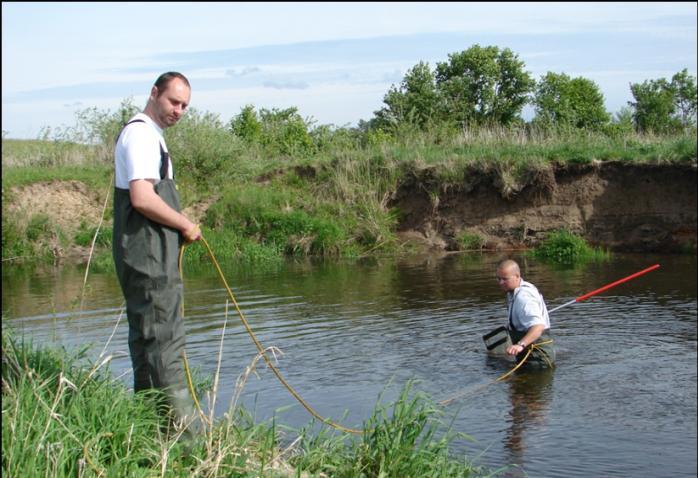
(146, 259)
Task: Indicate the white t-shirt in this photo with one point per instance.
(527, 307)
(137, 152)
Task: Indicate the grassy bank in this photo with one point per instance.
(321, 192)
(64, 416)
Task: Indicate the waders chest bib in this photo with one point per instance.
(538, 356)
(146, 257)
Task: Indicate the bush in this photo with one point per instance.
(566, 247)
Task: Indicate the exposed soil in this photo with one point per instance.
(623, 207)
(66, 203)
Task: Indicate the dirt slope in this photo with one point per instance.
(619, 206)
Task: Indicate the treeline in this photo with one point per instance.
(475, 89)
(486, 86)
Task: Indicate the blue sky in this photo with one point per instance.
(335, 61)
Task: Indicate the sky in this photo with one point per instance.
(334, 61)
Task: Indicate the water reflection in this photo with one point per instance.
(530, 395)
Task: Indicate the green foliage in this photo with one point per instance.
(621, 126)
(663, 106)
(654, 106)
(102, 261)
(276, 218)
(685, 98)
(247, 125)
(565, 247)
(470, 241)
(28, 239)
(417, 101)
(562, 101)
(86, 233)
(202, 151)
(404, 439)
(95, 126)
(15, 244)
(39, 226)
(87, 424)
(484, 86)
(279, 131)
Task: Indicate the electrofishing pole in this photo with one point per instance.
(605, 288)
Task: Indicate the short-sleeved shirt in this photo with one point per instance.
(137, 153)
(527, 307)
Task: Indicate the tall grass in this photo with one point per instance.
(405, 439)
(64, 416)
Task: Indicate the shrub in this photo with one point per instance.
(564, 246)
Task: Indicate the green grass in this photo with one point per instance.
(568, 248)
(65, 416)
(46, 153)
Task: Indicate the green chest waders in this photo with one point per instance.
(146, 258)
(543, 355)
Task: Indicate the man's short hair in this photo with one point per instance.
(509, 263)
(165, 79)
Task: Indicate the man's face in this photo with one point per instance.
(507, 279)
(171, 102)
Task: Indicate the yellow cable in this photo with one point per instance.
(259, 347)
(502, 377)
(276, 371)
(187, 372)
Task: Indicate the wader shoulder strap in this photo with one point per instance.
(164, 155)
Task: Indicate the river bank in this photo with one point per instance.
(619, 206)
(612, 205)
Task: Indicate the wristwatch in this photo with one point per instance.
(521, 344)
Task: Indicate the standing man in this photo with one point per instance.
(148, 232)
(529, 322)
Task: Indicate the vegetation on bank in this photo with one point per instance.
(64, 416)
(332, 202)
(567, 248)
(278, 184)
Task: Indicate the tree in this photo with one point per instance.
(483, 85)
(246, 125)
(685, 97)
(416, 101)
(663, 106)
(654, 106)
(564, 101)
(282, 130)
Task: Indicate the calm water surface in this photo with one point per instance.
(621, 402)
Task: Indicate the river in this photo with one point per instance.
(621, 401)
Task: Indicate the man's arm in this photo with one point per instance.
(146, 201)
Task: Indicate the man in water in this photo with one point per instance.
(529, 323)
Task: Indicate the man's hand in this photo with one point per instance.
(515, 349)
(193, 234)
